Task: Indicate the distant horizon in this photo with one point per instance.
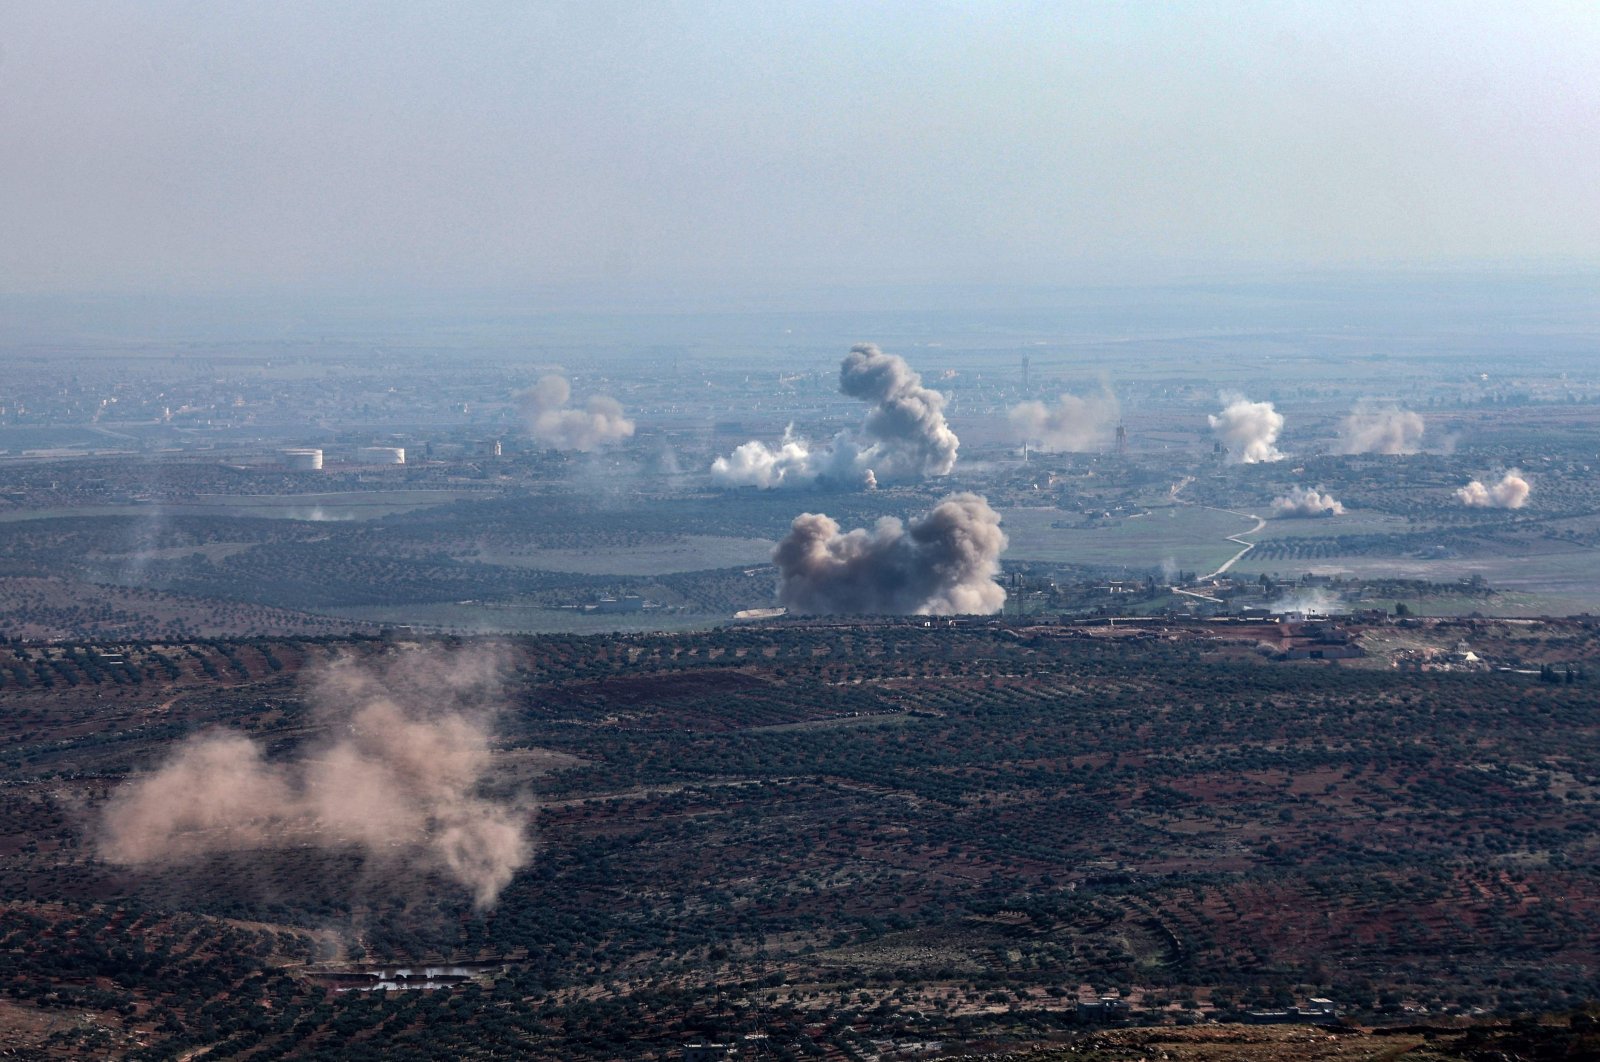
(658, 298)
(420, 147)
(1083, 276)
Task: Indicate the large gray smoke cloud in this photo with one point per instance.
(903, 436)
(1305, 501)
(1073, 424)
(1249, 430)
(399, 776)
(942, 564)
(1510, 493)
(544, 407)
(1380, 429)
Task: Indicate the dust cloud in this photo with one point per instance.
(399, 774)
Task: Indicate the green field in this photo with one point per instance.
(64, 512)
(689, 553)
(523, 619)
(1562, 581)
(337, 505)
(1353, 522)
(1511, 603)
(1186, 536)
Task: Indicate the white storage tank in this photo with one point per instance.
(302, 460)
(382, 455)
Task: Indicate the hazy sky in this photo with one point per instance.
(196, 147)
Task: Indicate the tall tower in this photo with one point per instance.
(1024, 376)
(1122, 439)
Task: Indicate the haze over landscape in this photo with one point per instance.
(709, 152)
(859, 532)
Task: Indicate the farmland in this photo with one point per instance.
(837, 834)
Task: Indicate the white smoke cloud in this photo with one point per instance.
(903, 436)
(1310, 602)
(1380, 429)
(1306, 501)
(398, 777)
(1073, 424)
(755, 464)
(942, 564)
(599, 422)
(1510, 493)
(1249, 430)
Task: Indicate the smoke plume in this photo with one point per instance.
(1306, 501)
(1374, 429)
(399, 776)
(903, 436)
(1311, 602)
(1249, 430)
(600, 421)
(1510, 493)
(755, 464)
(942, 564)
(1073, 424)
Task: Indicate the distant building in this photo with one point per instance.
(1317, 1011)
(627, 603)
(1105, 1008)
(381, 455)
(306, 460)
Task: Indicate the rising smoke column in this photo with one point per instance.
(1380, 429)
(398, 777)
(942, 564)
(1510, 493)
(1072, 425)
(903, 436)
(1306, 501)
(544, 407)
(1249, 430)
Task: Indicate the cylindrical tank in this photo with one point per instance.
(382, 455)
(302, 460)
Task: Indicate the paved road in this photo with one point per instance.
(1177, 488)
(1239, 538)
